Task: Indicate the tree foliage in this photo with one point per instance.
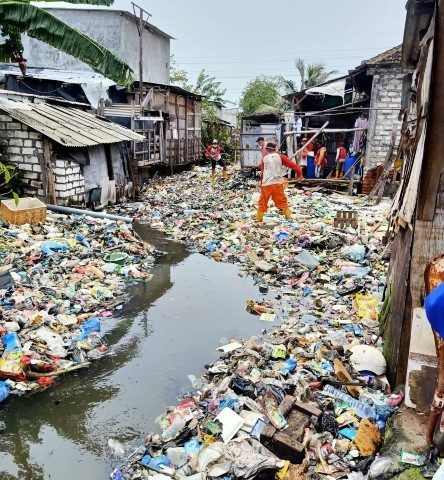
(209, 87)
(259, 92)
(19, 16)
(313, 74)
(178, 76)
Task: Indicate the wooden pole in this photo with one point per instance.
(316, 135)
(352, 180)
(47, 157)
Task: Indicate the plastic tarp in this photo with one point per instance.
(334, 89)
(97, 170)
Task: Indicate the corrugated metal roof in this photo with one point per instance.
(67, 126)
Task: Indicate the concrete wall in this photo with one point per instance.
(115, 31)
(386, 94)
(156, 52)
(24, 148)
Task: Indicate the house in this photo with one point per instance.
(170, 120)
(114, 29)
(372, 91)
(382, 79)
(67, 155)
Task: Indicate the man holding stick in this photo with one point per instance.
(271, 181)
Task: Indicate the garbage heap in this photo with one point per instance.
(309, 397)
(58, 282)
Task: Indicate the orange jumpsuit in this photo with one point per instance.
(271, 181)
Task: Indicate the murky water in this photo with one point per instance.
(169, 330)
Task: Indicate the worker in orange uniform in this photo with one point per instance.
(271, 181)
(214, 151)
(320, 161)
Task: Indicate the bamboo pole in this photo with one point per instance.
(316, 135)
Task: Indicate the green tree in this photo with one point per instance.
(178, 76)
(312, 74)
(19, 16)
(261, 92)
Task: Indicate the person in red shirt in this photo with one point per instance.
(214, 151)
(271, 181)
(341, 155)
(320, 161)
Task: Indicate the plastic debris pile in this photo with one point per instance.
(58, 283)
(307, 399)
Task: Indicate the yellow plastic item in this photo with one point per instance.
(282, 474)
(366, 306)
(208, 439)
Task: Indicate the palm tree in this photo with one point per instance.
(19, 16)
(313, 74)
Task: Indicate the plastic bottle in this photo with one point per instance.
(362, 410)
(174, 429)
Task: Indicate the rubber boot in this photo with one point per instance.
(224, 174)
(259, 216)
(287, 214)
(213, 176)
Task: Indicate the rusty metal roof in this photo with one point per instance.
(67, 125)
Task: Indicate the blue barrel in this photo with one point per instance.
(310, 167)
(349, 161)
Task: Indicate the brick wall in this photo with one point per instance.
(69, 182)
(24, 148)
(386, 94)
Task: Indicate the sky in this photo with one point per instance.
(237, 40)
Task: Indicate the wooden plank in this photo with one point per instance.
(433, 164)
(50, 181)
(396, 330)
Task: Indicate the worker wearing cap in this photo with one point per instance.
(271, 181)
(263, 146)
(214, 151)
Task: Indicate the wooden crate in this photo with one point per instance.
(29, 210)
(346, 218)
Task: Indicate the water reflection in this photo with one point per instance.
(168, 330)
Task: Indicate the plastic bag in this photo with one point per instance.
(4, 391)
(367, 306)
(90, 326)
(307, 259)
(49, 248)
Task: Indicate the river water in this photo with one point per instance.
(168, 330)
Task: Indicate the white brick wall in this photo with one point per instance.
(24, 148)
(386, 94)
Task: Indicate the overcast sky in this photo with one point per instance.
(236, 40)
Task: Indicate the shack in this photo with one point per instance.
(170, 119)
(264, 123)
(362, 109)
(67, 155)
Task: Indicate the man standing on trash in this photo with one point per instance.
(271, 181)
(214, 152)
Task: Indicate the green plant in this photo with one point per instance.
(259, 92)
(20, 16)
(211, 131)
